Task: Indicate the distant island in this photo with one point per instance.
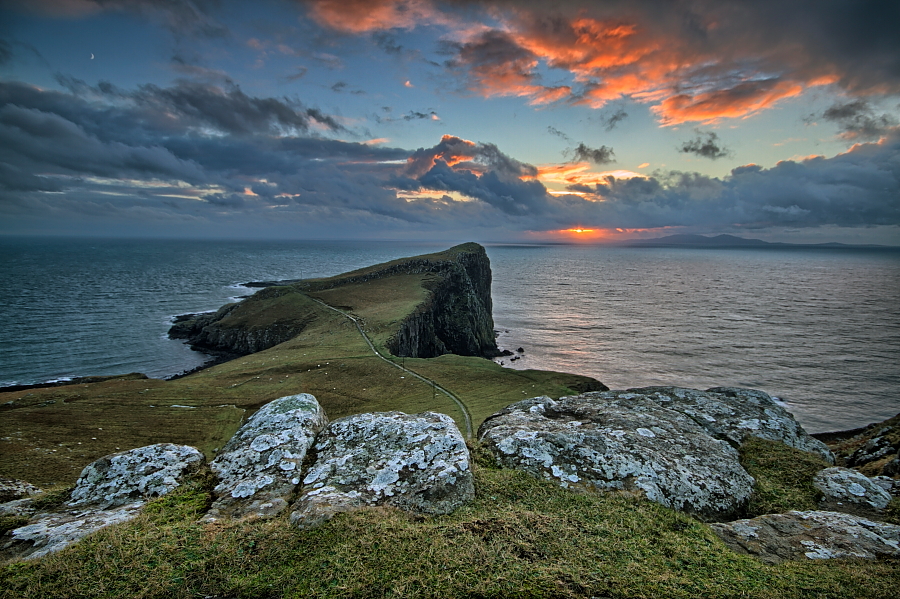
(732, 241)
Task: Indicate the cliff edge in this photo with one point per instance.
(453, 318)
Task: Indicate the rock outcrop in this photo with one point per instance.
(242, 328)
(12, 490)
(259, 467)
(732, 414)
(110, 490)
(774, 538)
(621, 441)
(846, 490)
(418, 463)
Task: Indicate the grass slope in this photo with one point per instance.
(521, 537)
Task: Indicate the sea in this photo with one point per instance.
(817, 328)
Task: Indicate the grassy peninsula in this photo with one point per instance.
(521, 537)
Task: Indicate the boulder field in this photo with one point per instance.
(674, 446)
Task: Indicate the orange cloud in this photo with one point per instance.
(578, 173)
(610, 59)
(359, 16)
(741, 101)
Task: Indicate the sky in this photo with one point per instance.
(526, 121)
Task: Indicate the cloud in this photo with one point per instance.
(225, 108)
(693, 62)
(170, 156)
(358, 16)
(610, 121)
(601, 155)
(857, 120)
(705, 145)
(493, 64)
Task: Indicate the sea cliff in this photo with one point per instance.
(454, 317)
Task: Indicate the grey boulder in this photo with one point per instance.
(110, 490)
(259, 467)
(734, 413)
(774, 538)
(621, 441)
(418, 463)
(846, 490)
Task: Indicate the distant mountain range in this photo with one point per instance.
(729, 241)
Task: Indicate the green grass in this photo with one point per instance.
(783, 476)
(521, 537)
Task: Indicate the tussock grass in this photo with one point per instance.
(521, 537)
(783, 476)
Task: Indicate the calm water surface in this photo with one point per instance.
(818, 328)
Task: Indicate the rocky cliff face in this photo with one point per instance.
(455, 318)
(242, 328)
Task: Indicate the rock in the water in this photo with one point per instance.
(110, 490)
(774, 538)
(733, 414)
(259, 467)
(621, 441)
(847, 490)
(417, 462)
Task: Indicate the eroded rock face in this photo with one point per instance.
(110, 490)
(733, 414)
(259, 467)
(847, 490)
(418, 463)
(774, 538)
(621, 441)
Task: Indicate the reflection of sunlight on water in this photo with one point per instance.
(816, 329)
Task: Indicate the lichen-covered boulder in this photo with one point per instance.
(774, 538)
(259, 468)
(621, 441)
(417, 462)
(846, 490)
(110, 490)
(733, 414)
(134, 475)
(12, 490)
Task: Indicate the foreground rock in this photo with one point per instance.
(259, 467)
(12, 490)
(774, 538)
(621, 441)
(733, 414)
(846, 490)
(110, 490)
(418, 463)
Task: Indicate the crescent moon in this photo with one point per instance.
(92, 56)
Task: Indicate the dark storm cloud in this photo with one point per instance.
(857, 189)
(225, 107)
(153, 154)
(858, 120)
(705, 145)
(601, 155)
